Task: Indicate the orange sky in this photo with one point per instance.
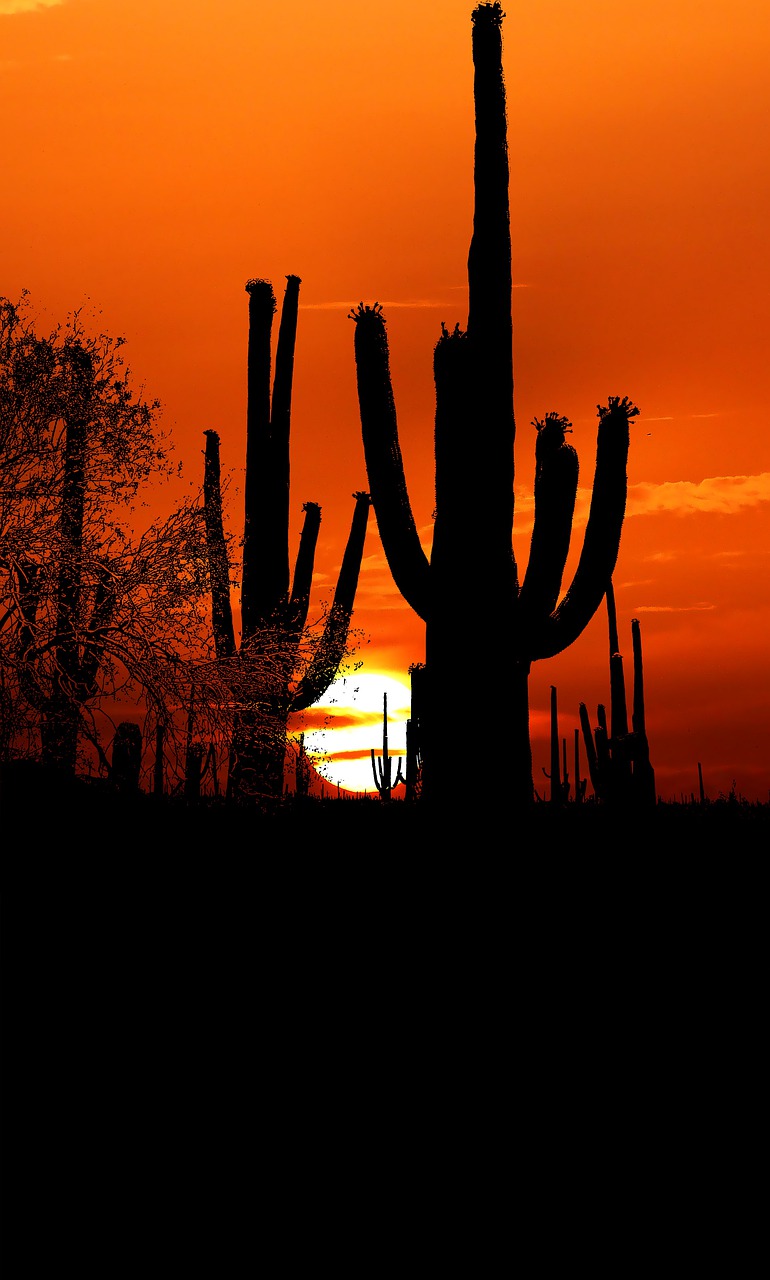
(156, 154)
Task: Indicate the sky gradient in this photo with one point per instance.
(162, 153)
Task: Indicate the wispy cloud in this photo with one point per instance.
(8, 7)
(700, 607)
(716, 495)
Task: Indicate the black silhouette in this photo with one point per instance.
(262, 671)
(558, 777)
(383, 768)
(468, 592)
(618, 760)
(413, 746)
(90, 610)
(126, 756)
(302, 769)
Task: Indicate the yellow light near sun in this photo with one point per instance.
(341, 752)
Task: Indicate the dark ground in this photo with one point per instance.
(206, 1016)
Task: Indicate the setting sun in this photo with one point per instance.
(352, 710)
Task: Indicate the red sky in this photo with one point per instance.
(156, 155)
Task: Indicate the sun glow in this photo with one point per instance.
(353, 708)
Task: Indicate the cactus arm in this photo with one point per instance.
(299, 602)
(602, 534)
(555, 776)
(280, 427)
(328, 656)
(603, 758)
(612, 620)
(407, 561)
(263, 547)
(618, 712)
(638, 719)
(219, 570)
(644, 774)
(556, 478)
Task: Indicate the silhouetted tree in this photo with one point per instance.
(468, 592)
(126, 756)
(91, 610)
(278, 667)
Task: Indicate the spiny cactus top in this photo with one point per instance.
(491, 14)
(256, 283)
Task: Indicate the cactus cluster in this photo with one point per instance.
(274, 609)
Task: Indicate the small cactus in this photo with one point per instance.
(619, 759)
(383, 768)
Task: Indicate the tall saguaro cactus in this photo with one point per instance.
(468, 591)
(382, 769)
(274, 610)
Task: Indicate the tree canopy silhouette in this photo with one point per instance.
(93, 609)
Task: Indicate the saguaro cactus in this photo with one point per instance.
(619, 760)
(468, 591)
(274, 611)
(383, 768)
(559, 776)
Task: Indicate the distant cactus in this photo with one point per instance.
(558, 777)
(468, 592)
(263, 671)
(619, 760)
(701, 788)
(580, 783)
(383, 768)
